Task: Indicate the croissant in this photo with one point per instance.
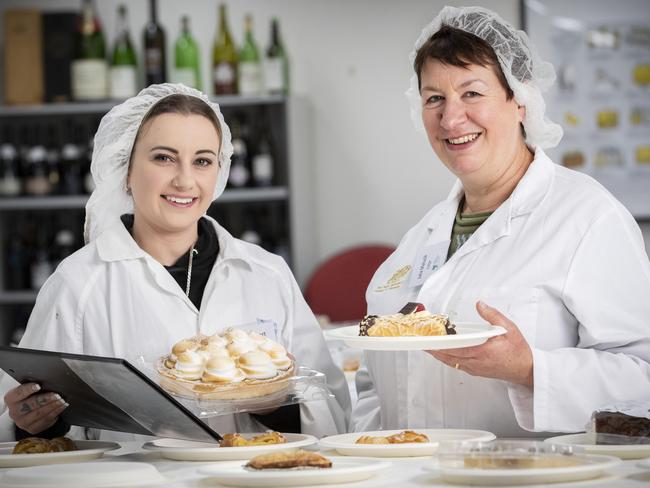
(37, 445)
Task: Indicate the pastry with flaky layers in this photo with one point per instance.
(265, 439)
(232, 365)
(289, 460)
(412, 320)
(404, 437)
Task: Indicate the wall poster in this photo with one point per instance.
(601, 53)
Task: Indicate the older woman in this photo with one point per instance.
(156, 269)
(543, 251)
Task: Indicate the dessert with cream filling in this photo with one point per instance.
(412, 320)
(230, 365)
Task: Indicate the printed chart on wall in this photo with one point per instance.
(601, 54)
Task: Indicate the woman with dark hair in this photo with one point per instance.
(156, 269)
(540, 250)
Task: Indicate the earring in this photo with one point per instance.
(127, 188)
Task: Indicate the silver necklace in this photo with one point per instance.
(189, 271)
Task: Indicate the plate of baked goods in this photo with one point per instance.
(413, 328)
(232, 365)
(34, 451)
(232, 447)
(501, 463)
(399, 443)
(298, 468)
(589, 441)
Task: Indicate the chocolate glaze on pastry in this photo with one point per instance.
(367, 322)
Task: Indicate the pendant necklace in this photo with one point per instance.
(189, 270)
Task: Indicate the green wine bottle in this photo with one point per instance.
(276, 64)
(186, 58)
(89, 69)
(250, 69)
(124, 65)
(224, 58)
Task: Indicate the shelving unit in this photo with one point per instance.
(271, 206)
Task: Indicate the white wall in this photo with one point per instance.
(374, 176)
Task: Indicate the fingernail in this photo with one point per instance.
(36, 387)
(66, 404)
(57, 396)
(481, 304)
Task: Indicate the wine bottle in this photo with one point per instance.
(10, 184)
(123, 72)
(262, 164)
(89, 69)
(250, 69)
(37, 180)
(224, 58)
(186, 58)
(276, 64)
(155, 66)
(239, 173)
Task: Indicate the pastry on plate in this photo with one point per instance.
(238, 440)
(411, 320)
(407, 437)
(289, 460)
(231, 365)
(404, 437)
(37, 445)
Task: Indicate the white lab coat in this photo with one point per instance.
(111, 298)
(561, 258)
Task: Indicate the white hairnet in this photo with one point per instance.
(524, 70)
(113, 144)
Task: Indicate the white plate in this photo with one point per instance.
(181, 450)
(346, 443)
(343, 470)
(86, 475)
(644, 464)
(467, 334)
(587, 440)
(85, 450)
(500, 477)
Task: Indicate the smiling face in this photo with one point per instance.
(173, 172)
(471, 125)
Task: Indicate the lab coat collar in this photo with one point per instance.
(117, 244)
(528, 194)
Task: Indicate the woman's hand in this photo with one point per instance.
(506, 357)
(33, 412)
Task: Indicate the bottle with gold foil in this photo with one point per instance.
(250, 68)
(224, 58)
(89, 70)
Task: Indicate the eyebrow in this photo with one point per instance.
(464, 84)
(172, 150)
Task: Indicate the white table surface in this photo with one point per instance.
(405, 472)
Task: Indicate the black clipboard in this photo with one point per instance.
(105, 393)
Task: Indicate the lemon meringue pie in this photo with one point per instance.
(230, 365)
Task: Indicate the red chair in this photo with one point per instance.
(337, 288)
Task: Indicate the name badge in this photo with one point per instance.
(427, 261)
(267, 328)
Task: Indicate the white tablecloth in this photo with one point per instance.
(404, 473)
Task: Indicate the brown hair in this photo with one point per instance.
(457, 47)
(183, 105)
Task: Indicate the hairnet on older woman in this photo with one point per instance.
(527, 75)
(113, 144)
